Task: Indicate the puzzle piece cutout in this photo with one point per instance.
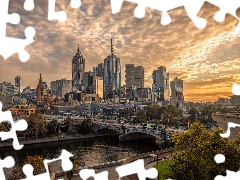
(8, 162)
(66, 166)
(219, 158)
(9, 46)
(20, 125)
(138, 168)
(192, 8)
(87, 173)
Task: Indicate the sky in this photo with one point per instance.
(206, 60)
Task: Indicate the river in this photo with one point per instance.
(90, 151)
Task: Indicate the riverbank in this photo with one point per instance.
(52, 139)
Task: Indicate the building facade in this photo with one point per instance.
(177, 92)
(112, 76)
(134, 76)
(78, 69)
(88, 82)
(161, 83)
(98, 86)
(17, 84)
(99, 70)
(9, 88)
(62, 86)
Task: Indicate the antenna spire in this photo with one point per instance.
(111, 47)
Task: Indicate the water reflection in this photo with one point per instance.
(88, 151)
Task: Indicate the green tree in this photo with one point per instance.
(35, 161)
(141, 116)
(75, 167)
(194, 154)
(206, 113)
(53, 126)
(68, 123)
(37, 125)
(5, 126)
(85, 126)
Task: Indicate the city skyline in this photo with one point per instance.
(206, 60)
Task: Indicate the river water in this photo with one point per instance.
(90, 151)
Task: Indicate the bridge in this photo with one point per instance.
(130, 132)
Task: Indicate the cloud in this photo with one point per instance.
(202, 58)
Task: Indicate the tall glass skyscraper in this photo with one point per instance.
(112, 76)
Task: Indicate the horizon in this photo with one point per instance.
(206, 60)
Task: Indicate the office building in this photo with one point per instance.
(177, 92)
(161, 83)
(112, 76)
(134, 76)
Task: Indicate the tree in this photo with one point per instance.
(75, 167)
(85, 126)
(67, 123)
(5, 126)
(141, 116)
(195, 150)
(35, 161)
(37, 125)
(53, 126)
(206, 113)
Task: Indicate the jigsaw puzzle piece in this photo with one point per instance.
(66, 166)
(5, 17)
(226, 7)
(66, 162)
(20, 125)
(28, 171)
(87, 173)
(8, 162)
(138, 168)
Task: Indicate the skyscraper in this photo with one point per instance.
(161, 83)
(177, 92)
(17, 83)
(134, 76)
(78, 69)
(112, 76)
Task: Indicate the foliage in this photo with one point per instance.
(163, 169)
(35, 161)
(5, 126)
(53, 126)
(37, 125)
(75, 167)
(195, 151)
(141, 116)
(85, 126)
(206, 113)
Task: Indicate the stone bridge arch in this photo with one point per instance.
(105, 129)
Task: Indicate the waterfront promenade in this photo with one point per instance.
(149, 161)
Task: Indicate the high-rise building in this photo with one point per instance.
(88, 82)
(99, 70)
(98, 86)
(78, 69)
(61, 87)
(112, 76)
(17, 83)
(134, 76)
(9, 88)
(177, 92)
(161, 83)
